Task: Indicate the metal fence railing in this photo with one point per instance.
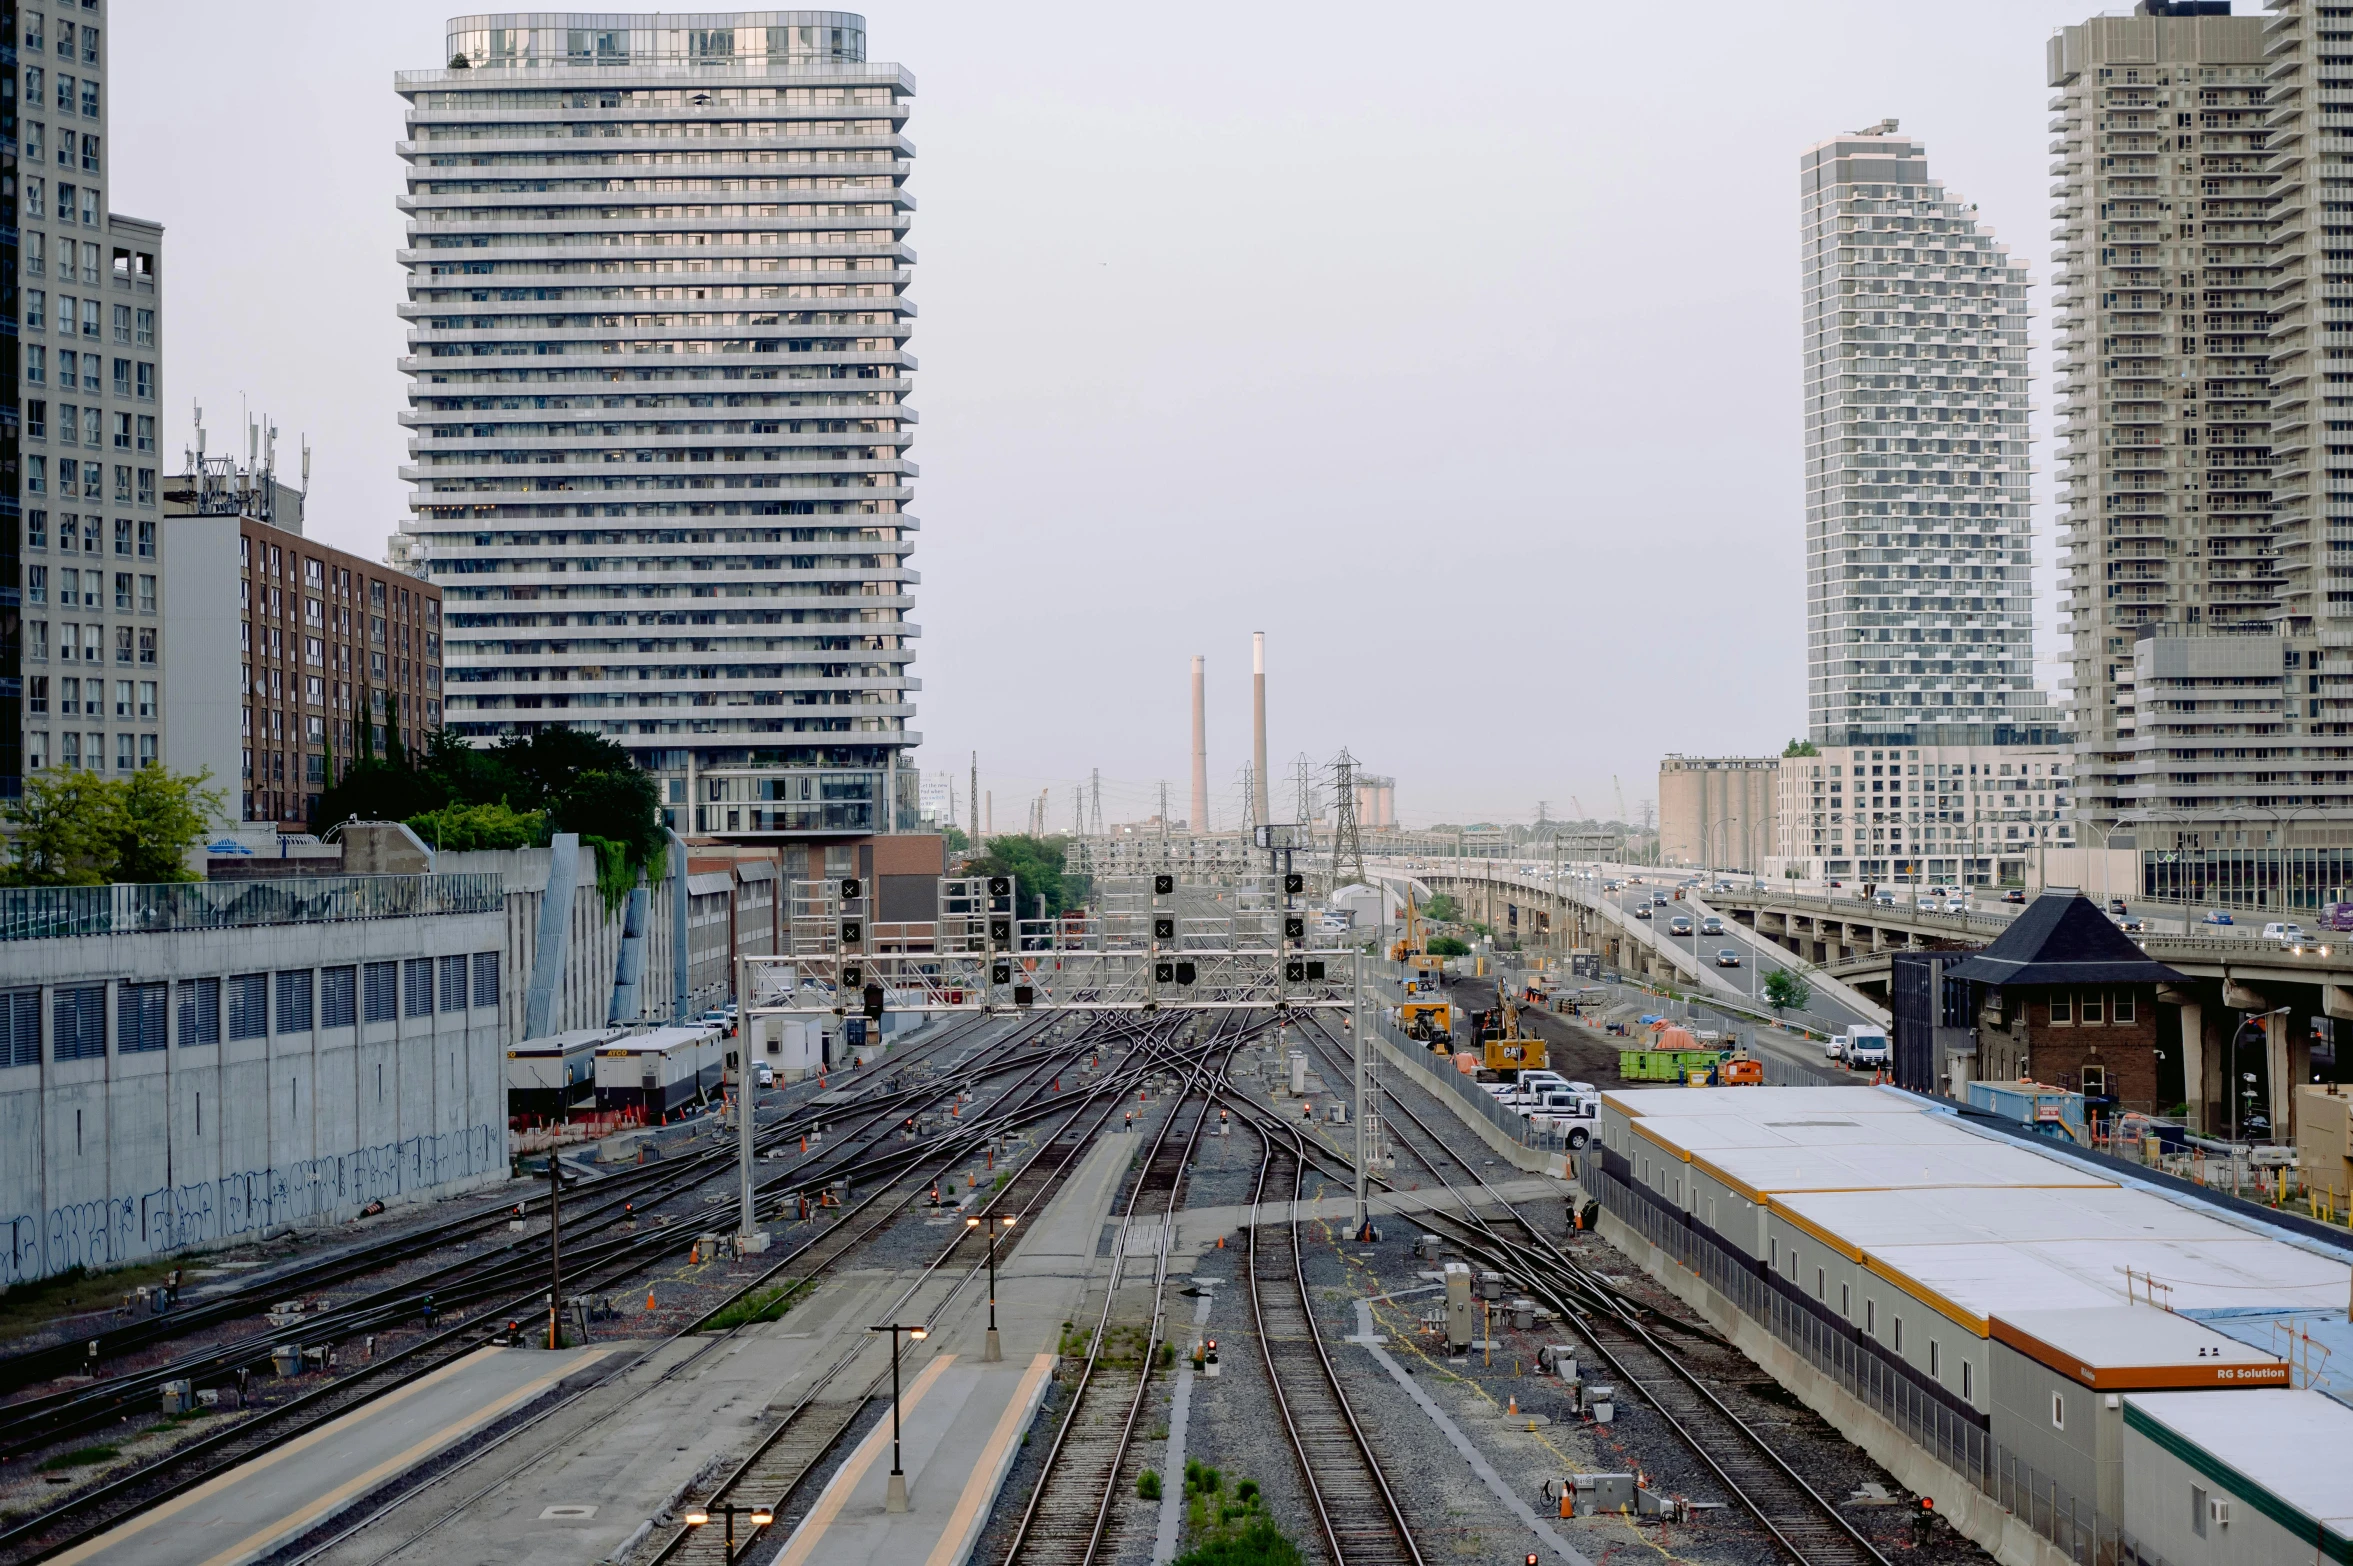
(1437, 1072)
(1955, 1439)
(37, 913)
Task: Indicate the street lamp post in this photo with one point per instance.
(700, 1517)
(896, 1499)
(991, 1353)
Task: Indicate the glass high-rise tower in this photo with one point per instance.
(1919, 608)
(658, 379)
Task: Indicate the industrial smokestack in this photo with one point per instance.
(1258, 728)
(1200, 818)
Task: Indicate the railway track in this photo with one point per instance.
(1069, 1516)
(1746, 1461)
(88, 1512)
(1354, 1507)
(784, 1460)
(643, 1185)
(603, 1226)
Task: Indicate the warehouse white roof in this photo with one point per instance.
(2136, 1346)
(1778, 1103)
(1701, 1132)
(1884, 1167)
(1988, 1279)
(2287, 1445)
(1874, 1220)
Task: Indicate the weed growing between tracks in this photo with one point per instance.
(761, 1305)
(1232, 1532)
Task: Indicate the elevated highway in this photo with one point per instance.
(2247, 1004)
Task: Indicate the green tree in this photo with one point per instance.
(953, 836)
(460, 828)
(159, 816)
(1785, 991)
(75, 828)
(64, 830)
(1443, 908)
(1035, 863)
(1798, 747)
(1448, 946)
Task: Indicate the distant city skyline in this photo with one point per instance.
(1106, 489)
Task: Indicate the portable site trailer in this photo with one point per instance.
(554, 1075)
(793, 1046)
(661, 1069)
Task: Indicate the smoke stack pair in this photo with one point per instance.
(1258, 779)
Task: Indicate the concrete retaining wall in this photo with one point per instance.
(136, 1152)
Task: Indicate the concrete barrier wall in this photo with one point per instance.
(138, 1152)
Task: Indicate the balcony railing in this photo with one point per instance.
(37, 913)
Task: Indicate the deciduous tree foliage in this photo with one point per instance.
(76, 828)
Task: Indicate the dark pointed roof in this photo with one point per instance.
(2063, 938)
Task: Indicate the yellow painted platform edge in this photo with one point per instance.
(988, 1471)
(803, 1542)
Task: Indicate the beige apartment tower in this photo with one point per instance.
(2161, 251)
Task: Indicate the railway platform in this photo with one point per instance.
(263, 1505)
(963, 1420)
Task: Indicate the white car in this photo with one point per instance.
(2285, 934)
(1956, 905)
(1929, 905)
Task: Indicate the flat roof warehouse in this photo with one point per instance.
(2001, 1306)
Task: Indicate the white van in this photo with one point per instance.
(1865, 1045)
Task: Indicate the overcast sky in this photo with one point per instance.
(1457, 349)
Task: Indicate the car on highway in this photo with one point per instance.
(2131, 924)
(1928, 905)
(1956, 905)
(2014, 895)
(1659, 899)
(1679, 925)
(2116, 906)
(1642, 910)
(2284, 934)
(2217, 916)
(1726, 957)
(1711, 925)
(1883, 899)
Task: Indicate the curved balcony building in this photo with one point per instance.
(658, 379)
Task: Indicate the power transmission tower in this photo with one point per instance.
(1078, 811)
(1304, 770)
(1098, 780)
(972, 802)
(1249, 800)
(1347, 845)
(1164, 807)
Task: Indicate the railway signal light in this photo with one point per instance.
(1186, 973)
(1294, 928)
(850, 889)
(1163, 886)
(874, 1001)
(1294, 883)
(1024, 995)
(1295, 972)
(1164, 929)
(1001, 973)
(1000, 932)
(853, 975)
(1315, 969)
(1000, 886)
(1164, 972)
(853, 932)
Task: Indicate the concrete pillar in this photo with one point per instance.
(2193, 1063)
(2277, 1072)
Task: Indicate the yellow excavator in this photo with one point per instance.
(1502, 1047)
(1423, 971)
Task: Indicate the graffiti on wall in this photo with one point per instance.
(117, 1229)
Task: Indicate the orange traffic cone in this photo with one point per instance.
(649, 1297)
(1513, 1407)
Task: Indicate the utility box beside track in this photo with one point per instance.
(1461, 1315)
